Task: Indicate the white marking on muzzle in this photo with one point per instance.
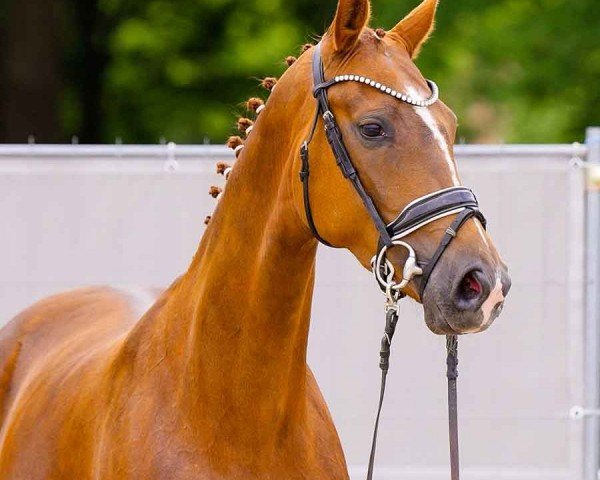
(482, 233)
(494, 298)
(425, 114)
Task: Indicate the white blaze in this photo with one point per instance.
(495, 297)
(428, 119)
(482, 233)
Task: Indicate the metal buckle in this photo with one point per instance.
(380, 264)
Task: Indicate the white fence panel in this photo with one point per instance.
(75, 216)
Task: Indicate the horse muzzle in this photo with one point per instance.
(467, 302)
(457, 296)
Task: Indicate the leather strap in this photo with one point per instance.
(431, 206)
(451, 347)
(304, 177)
(458, 200)
(334, 137)
(450, 235)
(452, 375)
(391, 320)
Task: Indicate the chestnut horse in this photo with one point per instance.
(211, 381)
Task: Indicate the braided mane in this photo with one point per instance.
(244, 125)
(254, 107)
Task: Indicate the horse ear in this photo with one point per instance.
(415, 29)
(350, 18)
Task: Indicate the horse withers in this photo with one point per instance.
(211, 380)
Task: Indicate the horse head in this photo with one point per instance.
(399, 137)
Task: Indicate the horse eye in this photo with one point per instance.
(372, 130)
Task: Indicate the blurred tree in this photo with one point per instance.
(30, 70)
(142, 70)
(88, 61)
(517, 71)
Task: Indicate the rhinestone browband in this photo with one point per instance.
(390, 91)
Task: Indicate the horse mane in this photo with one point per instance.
(254, 107)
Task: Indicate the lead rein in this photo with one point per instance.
(391, 320)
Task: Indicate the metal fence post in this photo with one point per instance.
(592, 332)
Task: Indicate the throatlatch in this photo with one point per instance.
(459, 201)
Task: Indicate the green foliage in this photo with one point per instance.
(513, 70)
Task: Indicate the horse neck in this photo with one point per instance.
(238, 320)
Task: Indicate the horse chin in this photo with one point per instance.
(441, 321)
(439, 326)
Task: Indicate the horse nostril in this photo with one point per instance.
(470, 291)
(470, 287)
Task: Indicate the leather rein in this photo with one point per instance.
(459, 201)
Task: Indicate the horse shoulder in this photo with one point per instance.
(326, 436)
(54, 359)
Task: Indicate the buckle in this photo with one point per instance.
(304, 168)
(304, 157)
(304, 151)
(384, 271)
(329, 120)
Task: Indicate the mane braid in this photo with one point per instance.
(215, 191)
(269, 83)
(244, 124)
(254, 104)
(380, 33)
(234, 142)
(306, 47)
(221, 167)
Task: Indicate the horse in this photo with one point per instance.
(211, 381)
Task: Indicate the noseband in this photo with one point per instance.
(459, 201)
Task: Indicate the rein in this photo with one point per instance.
(459, 201)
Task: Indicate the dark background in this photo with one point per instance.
(146, 71)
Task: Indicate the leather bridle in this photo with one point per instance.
(459, 201)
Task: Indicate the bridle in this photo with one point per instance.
(459, 201)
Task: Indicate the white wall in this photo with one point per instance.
(83, 216)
